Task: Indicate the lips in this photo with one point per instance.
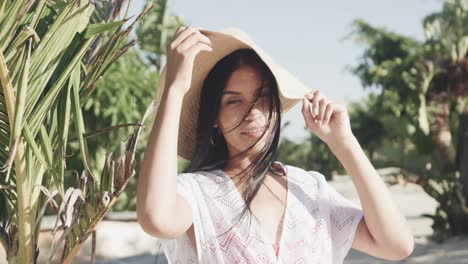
(254, 130)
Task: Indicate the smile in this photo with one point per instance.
(254, 131)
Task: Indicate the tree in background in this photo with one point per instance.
(156, 32)
(424, 86)
(312, 155)
(368, 126)
(120, 98)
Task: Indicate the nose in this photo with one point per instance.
(256, 111)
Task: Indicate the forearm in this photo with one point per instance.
(157, 182)
(385, 222)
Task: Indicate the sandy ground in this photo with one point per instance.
(413, 202)
(125, 242)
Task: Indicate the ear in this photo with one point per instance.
(215, 125)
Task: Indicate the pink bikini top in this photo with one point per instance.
(276, 248)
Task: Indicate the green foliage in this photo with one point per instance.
(52, 53)
(120, 98)
(421, 92)
(367, 124)
(313, 154)
(124, 93)
(156, 31)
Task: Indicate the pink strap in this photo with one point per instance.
(276, 248)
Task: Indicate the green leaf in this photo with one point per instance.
(77, 112)
(95, 29)
(34, 147)
(9, 22)
(21, 93)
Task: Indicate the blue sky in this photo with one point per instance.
(306, 37)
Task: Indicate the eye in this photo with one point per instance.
(233, 101)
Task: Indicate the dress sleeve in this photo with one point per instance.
(180, 249)
(184, 189)
(344, 219)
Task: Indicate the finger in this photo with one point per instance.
(182, 28)
(202, 35)
(322, 105)
(339, 107)
(185, 34)
(197, 47)
(180, 36)
(306, 111)
(328, 113)
(194, 38)
(177, 33)
(315, 103)
(310, 96)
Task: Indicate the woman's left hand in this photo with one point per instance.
(330, 121)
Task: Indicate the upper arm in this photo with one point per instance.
(173, 224)
(343, 210)
(364, 242)
(175, 221)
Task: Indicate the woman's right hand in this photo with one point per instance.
(186, 43)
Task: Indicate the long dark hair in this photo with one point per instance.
(208, 156)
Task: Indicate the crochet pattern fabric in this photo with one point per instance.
(319, 223)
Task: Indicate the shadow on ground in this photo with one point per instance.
(452, 251)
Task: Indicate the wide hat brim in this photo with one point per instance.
(224, 42)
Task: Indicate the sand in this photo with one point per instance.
(125, 242)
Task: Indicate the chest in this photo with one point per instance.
(269, 206)
(282, 210)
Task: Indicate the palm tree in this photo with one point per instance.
(52, 55)
(425, 85)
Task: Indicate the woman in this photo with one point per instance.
(223, 96)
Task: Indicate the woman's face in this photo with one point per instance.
(236, 99)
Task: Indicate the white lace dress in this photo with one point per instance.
(319, 224)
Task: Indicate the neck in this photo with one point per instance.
(237, 167)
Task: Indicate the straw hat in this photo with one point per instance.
(224, 42)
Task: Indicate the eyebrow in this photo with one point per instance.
(236, 92)
(230, 92)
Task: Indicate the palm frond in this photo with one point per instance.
(52, 55)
